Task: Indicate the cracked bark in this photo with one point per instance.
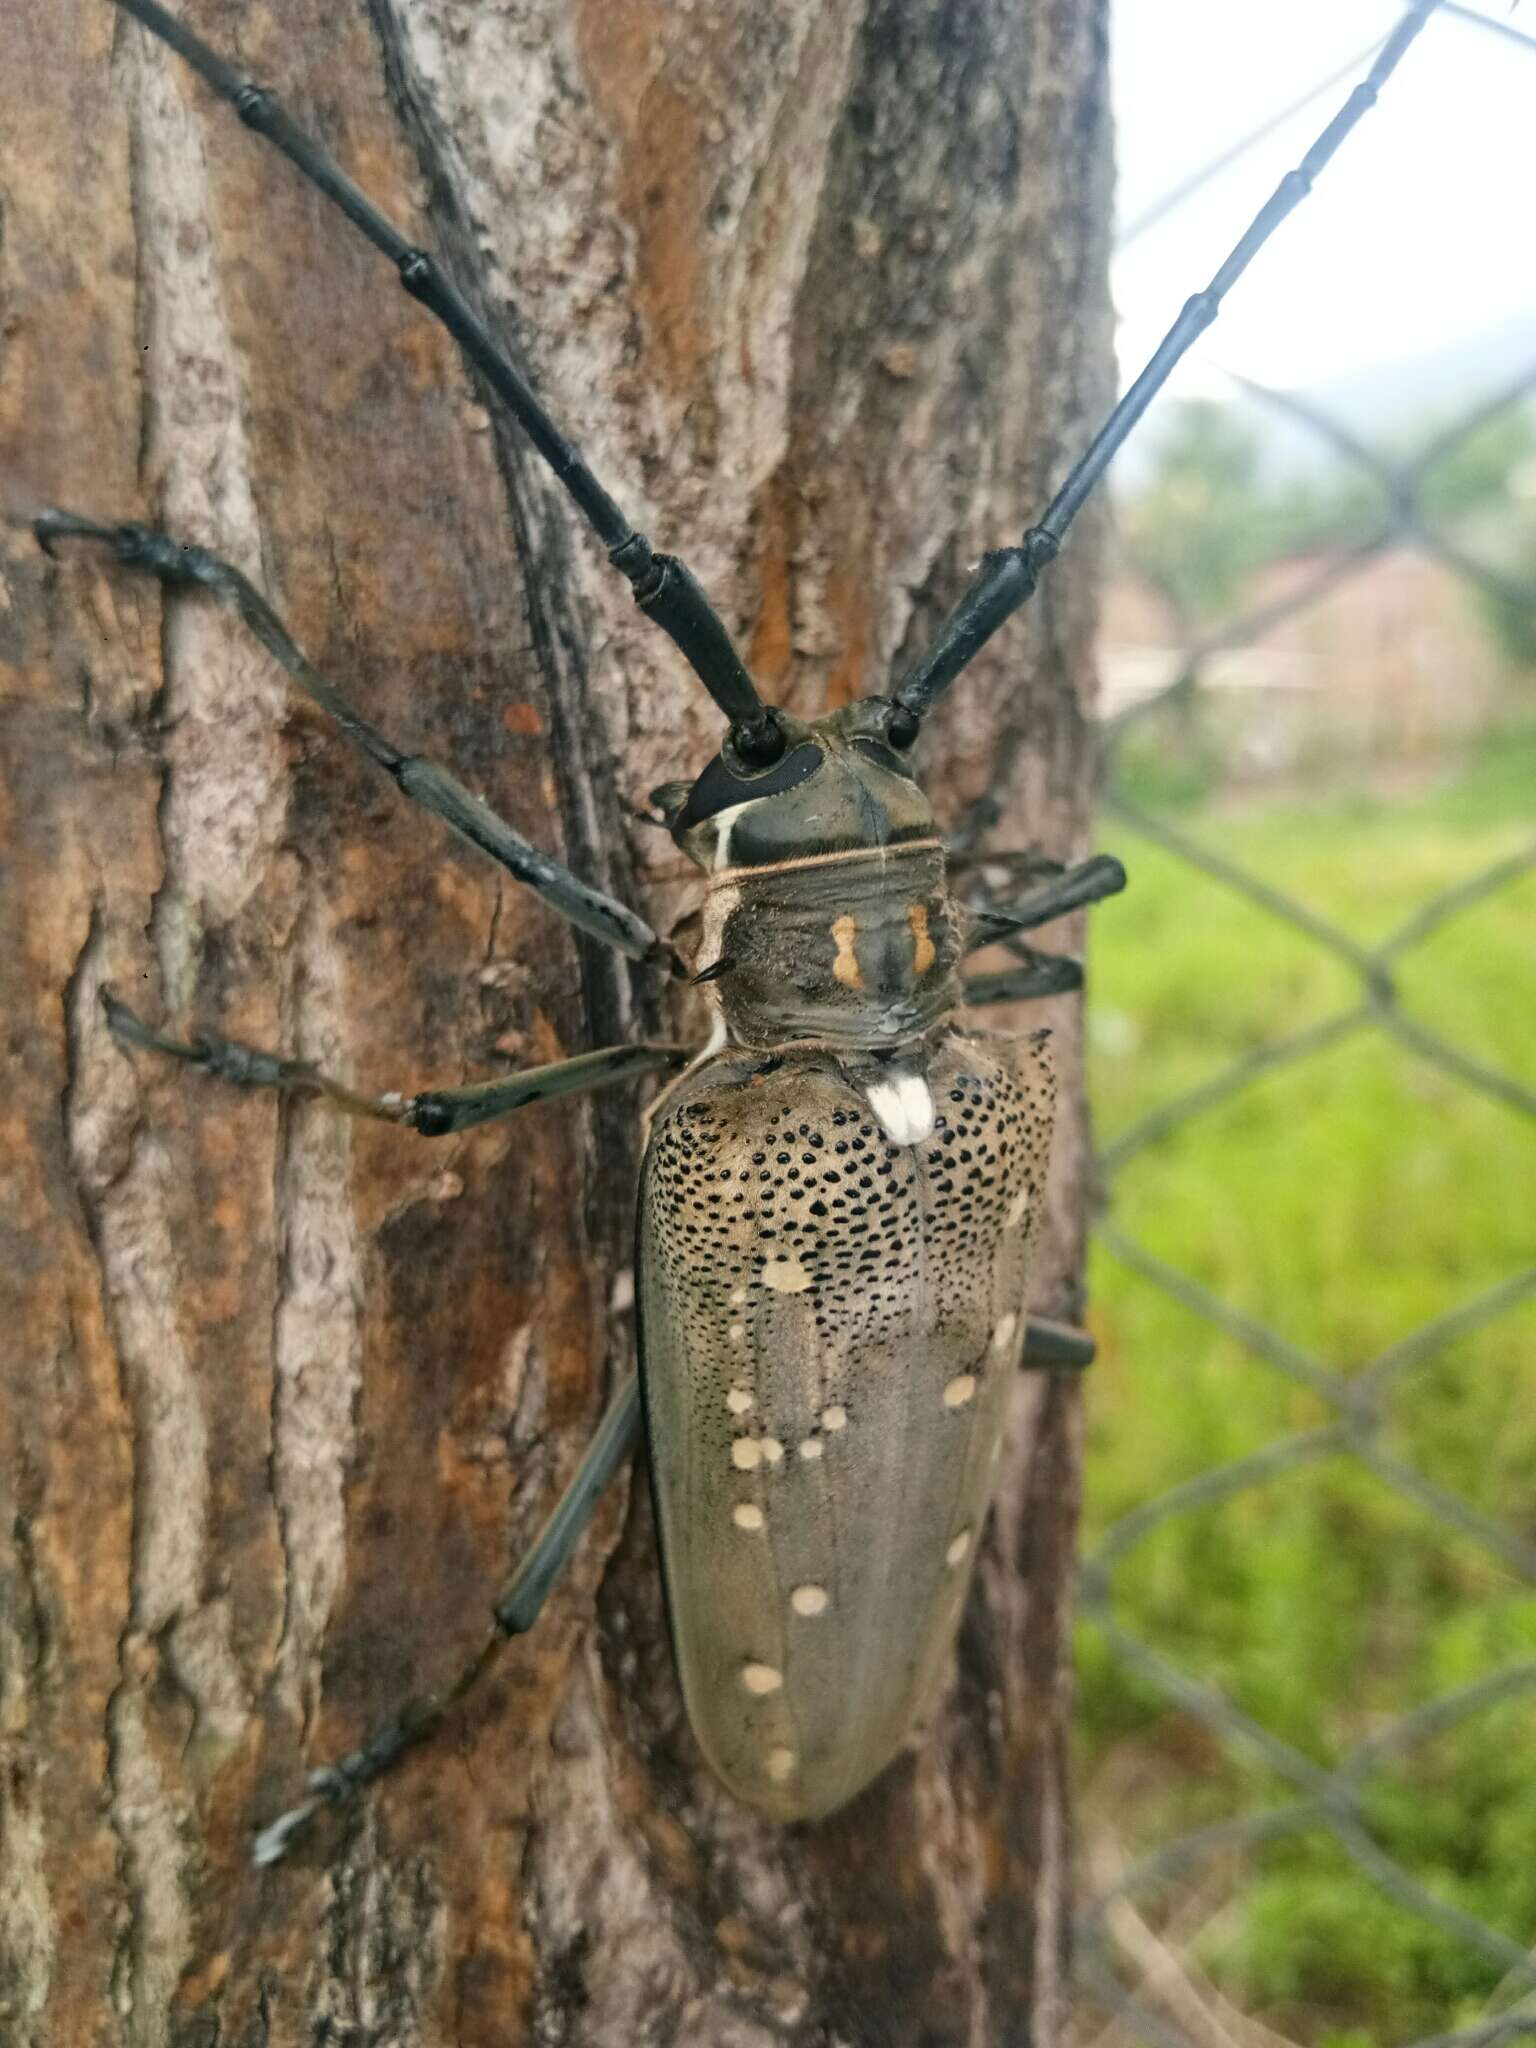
(820, 289)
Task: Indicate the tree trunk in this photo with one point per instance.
(819, 287)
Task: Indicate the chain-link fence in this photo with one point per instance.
(1251, 1785)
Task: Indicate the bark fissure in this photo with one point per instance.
(28, 1922)
(106, 1153)
(317, 1350)
(592, 839)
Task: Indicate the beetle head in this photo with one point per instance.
(843, 783)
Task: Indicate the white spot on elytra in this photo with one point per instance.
(1018, 1206)
(835, 1417)
(960, 1390)
(772, 1450)
(747, 1516)
(737, 1296)
(785, 1274)
(958, 1546)
(810, 1447)
(903, 1105)
(1003, 1335)
(738, 1400)
(761, 1678)
(781, 1762)
(809, 1600)
(745, 1454)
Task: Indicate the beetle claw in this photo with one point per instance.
(272, 1843)
(327, 1786)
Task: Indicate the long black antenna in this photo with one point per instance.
(1008, 576)
(665, 588)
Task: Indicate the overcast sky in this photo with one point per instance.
(1421, 233)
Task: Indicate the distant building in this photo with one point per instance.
(1387, 660)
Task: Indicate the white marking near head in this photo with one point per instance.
(785, 1274)
(738, 1400)
(959, 1545)
(809, 1600)
(725, 824)
(835, 1417)
(716, 1040)
(747, 1516)
(720, 906)
(960, 1390)
(903, 1107)
(781, 1763)
(1002, 1336)
(761, 1678)
(745, 1455)
(1018, 1206)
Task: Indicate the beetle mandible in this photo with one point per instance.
(839, 1190)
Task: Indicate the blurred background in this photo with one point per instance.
(1307, 1653)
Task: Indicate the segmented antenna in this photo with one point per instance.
(1008, 576)
(665, 588)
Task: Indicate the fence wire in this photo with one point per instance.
(1117, 1958)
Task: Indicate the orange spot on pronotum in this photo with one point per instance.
(924, 952)
(845, 968)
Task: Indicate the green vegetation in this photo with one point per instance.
(1343, 1201)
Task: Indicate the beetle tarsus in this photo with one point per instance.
(334, 1784)
(272, 1843)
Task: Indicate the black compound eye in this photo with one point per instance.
(884, 756)
(717, 788)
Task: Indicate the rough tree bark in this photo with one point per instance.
(820, 287)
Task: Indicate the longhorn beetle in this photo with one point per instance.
(839, 1191)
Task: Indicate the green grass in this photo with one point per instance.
(1343, 1201)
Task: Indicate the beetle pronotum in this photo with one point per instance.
(839, 1190)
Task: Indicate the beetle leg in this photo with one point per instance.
(1027, 865)
(434, 1112)
(182, 567)
(1040, 974)
(517, 1608)
(1049, 1346)
(1090, 882)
